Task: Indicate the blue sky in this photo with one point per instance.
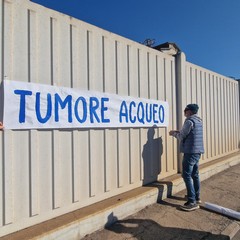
(207, 31)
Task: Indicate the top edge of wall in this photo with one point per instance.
(77, 22)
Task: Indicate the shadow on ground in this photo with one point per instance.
(146, 229)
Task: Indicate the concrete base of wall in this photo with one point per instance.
(79, 223)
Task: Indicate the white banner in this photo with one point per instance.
(34, 106)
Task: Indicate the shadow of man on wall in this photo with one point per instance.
(152, 153)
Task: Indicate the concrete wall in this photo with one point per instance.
(46, 173)
(217, 97)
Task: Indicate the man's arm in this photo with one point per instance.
(180, 135)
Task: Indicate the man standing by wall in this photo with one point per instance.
(191, 144)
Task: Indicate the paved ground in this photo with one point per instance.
(165, 220)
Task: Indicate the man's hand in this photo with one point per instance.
(172, 132)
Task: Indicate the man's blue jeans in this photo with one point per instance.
(190, 175)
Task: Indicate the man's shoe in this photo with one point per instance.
(188, 206)
(198, 201)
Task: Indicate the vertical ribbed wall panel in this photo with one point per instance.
(7, 176)
(123, 134)
(203, 111)
(221, 112)
(134, 134)
(110, 148)
(161, 93)
(143, 93)
(216, 96)
(20, 139)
